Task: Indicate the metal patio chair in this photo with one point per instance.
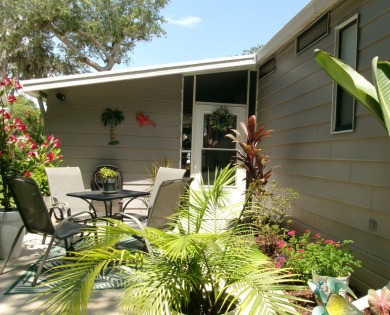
(63, 180)
(163, 173)
(165, 203)
(37, 218)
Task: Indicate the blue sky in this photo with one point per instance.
(203, 29)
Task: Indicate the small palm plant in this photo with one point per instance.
(112, 117)
(196, 267)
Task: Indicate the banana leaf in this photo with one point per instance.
(358, 87)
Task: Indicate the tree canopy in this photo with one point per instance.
(39, 38)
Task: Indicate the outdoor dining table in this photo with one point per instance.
(108, 198)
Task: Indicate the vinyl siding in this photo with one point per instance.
(343, 179)
(84, 139)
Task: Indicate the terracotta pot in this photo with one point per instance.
(10, 223)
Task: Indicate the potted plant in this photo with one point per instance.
(20, 155)
(313, 256)
(195, 268)
(109, 178)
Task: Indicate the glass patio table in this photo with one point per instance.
(108, 198)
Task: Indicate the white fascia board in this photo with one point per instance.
(186, 68)
(311, 12)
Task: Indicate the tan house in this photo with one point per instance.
(332, 151)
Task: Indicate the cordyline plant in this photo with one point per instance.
(19, 154)
(252, 160)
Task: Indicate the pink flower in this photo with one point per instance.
(50, 138)
(308, 231)
(11, 99)
(57, 143)
(32, 154)
(280, 244)
(291, 233)
(301, 250)
(27, 174)
(318, 235)
(282, 259)
(50, 156)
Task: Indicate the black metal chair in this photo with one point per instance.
(97, 182)
(37, 218)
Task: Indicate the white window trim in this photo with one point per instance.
(339, 27)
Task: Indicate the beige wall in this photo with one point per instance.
(77, 123)
(343, 180)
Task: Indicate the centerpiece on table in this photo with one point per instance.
(109, 179)
(20, 155)
(313, 256)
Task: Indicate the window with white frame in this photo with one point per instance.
(345, 49)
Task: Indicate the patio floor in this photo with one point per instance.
(104, 301)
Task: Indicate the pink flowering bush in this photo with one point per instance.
(19, 154)
(307, 253)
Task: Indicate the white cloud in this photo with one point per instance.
(188, 21)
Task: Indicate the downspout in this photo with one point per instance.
(42, 108)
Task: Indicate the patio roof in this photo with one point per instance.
(36, 86)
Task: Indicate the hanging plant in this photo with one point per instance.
(112, 117)
(221, 119)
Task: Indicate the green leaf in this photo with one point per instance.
(352, 82)
(381, 78)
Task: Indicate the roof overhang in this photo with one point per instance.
(39, 87)
(310, 13)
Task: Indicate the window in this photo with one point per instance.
(267, 67)
(224, 87)
(309, 36)
(346, 50)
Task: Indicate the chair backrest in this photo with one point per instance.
(167, 201)
(97, 182)
(164, 173)
(63, 180)
(31, 206)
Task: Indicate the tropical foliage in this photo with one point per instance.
(196, 267)
(20, 155)
(251, 159)
(375, 97)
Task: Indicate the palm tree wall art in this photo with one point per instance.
(112, 117)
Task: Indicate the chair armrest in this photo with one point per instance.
(130, 217)
(138, 223)
(60, 213)
(127, 202)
